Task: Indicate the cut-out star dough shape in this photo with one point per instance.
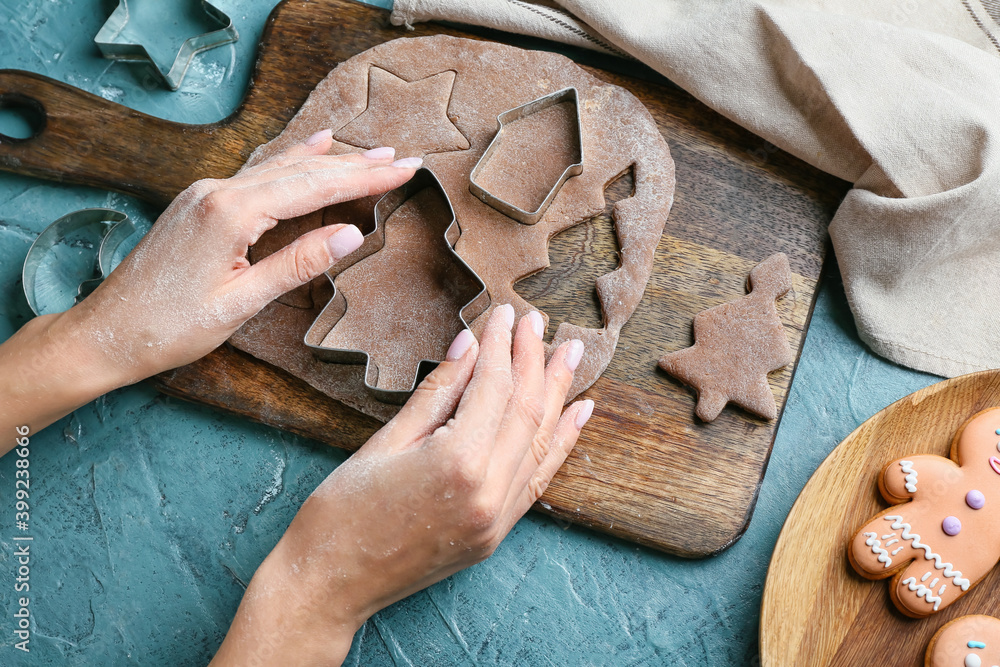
(411, 116)
(736, 345)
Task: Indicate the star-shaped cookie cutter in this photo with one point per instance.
(337, 306)
(107, 41)
(115, 227)
(508, 117)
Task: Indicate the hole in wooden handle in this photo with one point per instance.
(21, 117)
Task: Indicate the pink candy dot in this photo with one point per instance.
(975, 499)
(951, 525)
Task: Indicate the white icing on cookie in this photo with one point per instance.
(876, 545)
(922, 591)
(911, 475)
(946, 568)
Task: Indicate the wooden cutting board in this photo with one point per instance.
(816, 610)
(645, 469)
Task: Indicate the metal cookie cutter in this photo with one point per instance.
(112, 228)
(337, 307)
(508, 117)
(109, 41)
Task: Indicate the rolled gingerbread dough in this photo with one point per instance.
(438, 98)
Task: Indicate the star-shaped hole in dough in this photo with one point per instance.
(411, 116)
(736, 345)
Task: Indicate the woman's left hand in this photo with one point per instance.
(188, 286)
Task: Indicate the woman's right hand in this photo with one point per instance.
(428, 495)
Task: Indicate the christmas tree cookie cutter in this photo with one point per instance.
(112, 45)
(112, 227)
(509, 117)
(337, 307)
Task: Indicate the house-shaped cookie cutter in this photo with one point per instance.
(375, 241)
(508, 117)
(107, 41)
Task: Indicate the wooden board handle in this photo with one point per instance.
(83, 138)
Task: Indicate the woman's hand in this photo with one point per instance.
(428, 495)
(187, 286)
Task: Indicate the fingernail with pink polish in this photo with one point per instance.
(319, 137)
(508, 315)
(583, 416)
(463, 341)
(384, 153)
(537, 323)
(574, 354)
(408, 163)
(345, 241)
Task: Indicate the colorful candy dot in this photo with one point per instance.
(973, 660)
(975, 499)
(998, 431)
(975, 644)
(951, 525)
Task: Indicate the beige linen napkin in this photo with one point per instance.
(902, 98)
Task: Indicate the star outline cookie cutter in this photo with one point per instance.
(128, 52)
(509, 117)
(337, 306)
(118, 227)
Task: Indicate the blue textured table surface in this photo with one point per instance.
(149, 515)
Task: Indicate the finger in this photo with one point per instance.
(285, 165)
(241, 193)
(297, 263)
(558, 378)
(306, 186)
(316, 144)
(526, 407)
(435, 399)
(567, 432)
(477, 418)
(302, 191)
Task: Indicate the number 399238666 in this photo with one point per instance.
(23, 478)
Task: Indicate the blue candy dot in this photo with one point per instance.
(977, 645)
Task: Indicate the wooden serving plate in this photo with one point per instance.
(645, 469)
(816, 610)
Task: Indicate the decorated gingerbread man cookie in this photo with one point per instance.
(968, 641)
(947, 537)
